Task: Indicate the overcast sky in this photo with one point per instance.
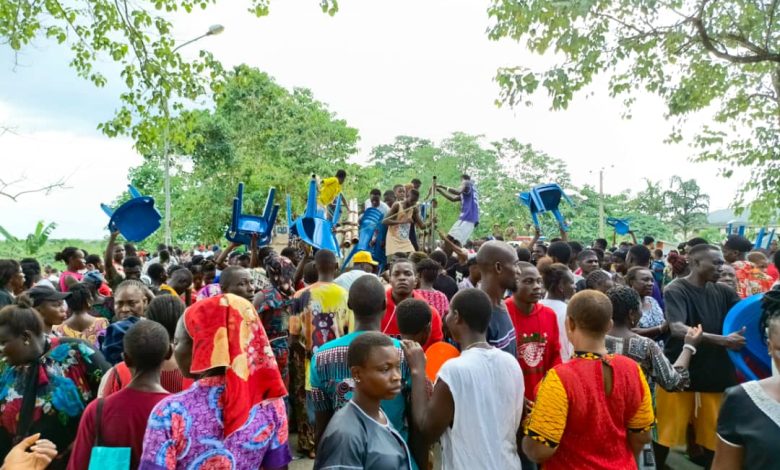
(422, 68)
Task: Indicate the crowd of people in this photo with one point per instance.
(477, 354)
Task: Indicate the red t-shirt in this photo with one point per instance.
(772, 271)
(123, 424)
(538, 344)
(390, 322)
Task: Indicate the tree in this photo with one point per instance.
(688, 206)
(260, 134)
(651, 201)
(699, 56)
(138, 37)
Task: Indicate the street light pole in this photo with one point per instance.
(601, 203)
(212, 31)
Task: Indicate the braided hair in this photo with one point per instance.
(597, 278)
(770, 312)
(624, 301)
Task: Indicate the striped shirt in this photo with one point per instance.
(332, 385)
(501, 332)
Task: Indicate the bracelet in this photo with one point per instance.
(690, 347)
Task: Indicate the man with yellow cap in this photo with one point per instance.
(362, 264)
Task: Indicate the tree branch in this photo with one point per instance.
(14, 196)
(709, 44)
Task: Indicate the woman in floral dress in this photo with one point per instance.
(45, 382)
(233, 416)
(81, 324)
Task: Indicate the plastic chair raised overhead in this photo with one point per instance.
(243, 226)
(621, 226)
(313, 228)
(752, 360)
(370, 222)
(545, 198)
(136, 219)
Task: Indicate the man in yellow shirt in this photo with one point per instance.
(330, 189)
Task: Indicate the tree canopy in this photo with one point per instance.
(265, 135)
(721, 59)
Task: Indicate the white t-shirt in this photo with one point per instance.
(345, 280)
(559, 307)
(384, 208)
(487, 389)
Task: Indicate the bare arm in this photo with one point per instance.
(536, 451)
(633, 236)
(564, 234)
(391, 218)
(321, 420)
(108, 257)
(254, 262)
(637, 440)
(417, 219)
(461, 253)
(734, 341)
(431, 417)
(220, 261)
(727, 457)
(446, 195)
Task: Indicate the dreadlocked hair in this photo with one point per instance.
(770, 313)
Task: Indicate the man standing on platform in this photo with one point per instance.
(469, 208)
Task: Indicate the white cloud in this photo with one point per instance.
(95, 168)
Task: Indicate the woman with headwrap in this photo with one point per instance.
(274, 305)
(233, 415)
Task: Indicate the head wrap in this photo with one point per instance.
(111, 345)
(280, 271)
(227, 332)
(94, 276)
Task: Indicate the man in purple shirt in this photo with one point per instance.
(469, 208)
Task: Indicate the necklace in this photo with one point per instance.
(473, 345)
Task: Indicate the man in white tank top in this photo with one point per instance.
(477, 402)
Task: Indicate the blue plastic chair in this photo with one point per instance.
(762, 240)
(621, 226)
(243, 226)
(752, 360)
(546, 198)
(136, 219)
(370, 222)
(313, 228)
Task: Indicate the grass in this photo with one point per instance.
(46, 254)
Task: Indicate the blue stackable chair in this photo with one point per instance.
(752, 360)
(621, 226)
(545, 198)
(313, 228)
(243, 226)
(763, 240)
(136, 219)
(370, 222)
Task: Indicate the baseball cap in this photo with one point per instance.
(363, 257)
(43, 293)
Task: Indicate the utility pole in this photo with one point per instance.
(601, 203)
(212, 31)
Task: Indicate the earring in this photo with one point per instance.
(27, 342)
(357, 381)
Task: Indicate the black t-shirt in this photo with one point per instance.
(750, 418)
(447, 285)
(711, 369)
(456, 270)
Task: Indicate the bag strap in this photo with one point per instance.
(98, 419)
